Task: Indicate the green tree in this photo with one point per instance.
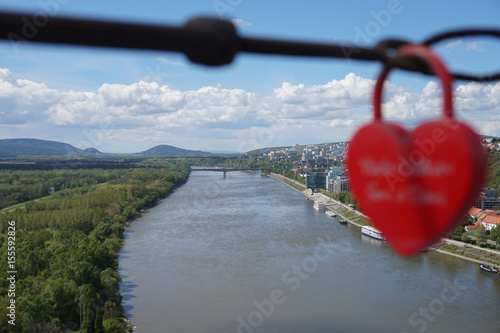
(458, 232)
(61, 295)
(110, 280)
(113, 325)
(67, 243)
(464, 237)
(4, 325)
(34, 309)
(495, 234)
(89, 308)
(480, 235)
(102, 231)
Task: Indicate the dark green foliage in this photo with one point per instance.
(67, 243)
(20, 185)
(495, 234)
(480, 235)
(113, 325)
(458, 233)
(290, 174)
(343, 196)
(494, 169)
(89, 308)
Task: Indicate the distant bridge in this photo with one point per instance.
(224, 170)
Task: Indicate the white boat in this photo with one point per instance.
(319, 206)
(372, 232)
(330, 213)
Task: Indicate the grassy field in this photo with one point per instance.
(472, 253)
(289, 182)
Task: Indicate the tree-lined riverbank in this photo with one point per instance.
(66, 247)
(67, 243)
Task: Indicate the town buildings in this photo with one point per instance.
(318, 155)
(336, 180)
(488, 199)
(489, 219)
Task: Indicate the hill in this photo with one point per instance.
(92, 151)
(166, 150)
(36, 147)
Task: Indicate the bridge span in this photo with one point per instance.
(225, 170)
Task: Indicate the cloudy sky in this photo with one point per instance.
(128, 101)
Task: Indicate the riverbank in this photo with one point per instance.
(468, 252)
(446, 246)
(352, 216)
(237, 249)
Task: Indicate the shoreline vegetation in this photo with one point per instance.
(66, 244)
(446, 246)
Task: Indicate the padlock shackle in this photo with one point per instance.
(424, 53)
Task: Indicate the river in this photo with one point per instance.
(247, 253)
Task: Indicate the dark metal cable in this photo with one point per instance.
(465, 33)
(461, 33)
(206, 41)
(267, 46)
(387, 50)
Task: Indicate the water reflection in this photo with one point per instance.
(372, 241)
(248, 254)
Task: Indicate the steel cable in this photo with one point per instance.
(208, 41)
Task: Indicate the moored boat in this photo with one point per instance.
(342, 220)
(372, 232)
(490, 269)
(330, 213)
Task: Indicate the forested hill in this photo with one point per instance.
(166, 150)
(36, 147)
(494, 170)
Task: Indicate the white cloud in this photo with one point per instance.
(473, 97)
(322, 101)
(240, 23)
(453, 44)
(475, 46)
(137, 116)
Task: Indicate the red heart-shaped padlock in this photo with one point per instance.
(416, 186)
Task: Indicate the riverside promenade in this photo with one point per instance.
(447, 246)
(349, 214)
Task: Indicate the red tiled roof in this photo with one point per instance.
(481, 215)
(491, 219)
(474, 226)
(474, 211)
(486, 216)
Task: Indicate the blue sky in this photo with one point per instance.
(128, 101)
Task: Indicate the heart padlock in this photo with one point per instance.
(416, 186)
